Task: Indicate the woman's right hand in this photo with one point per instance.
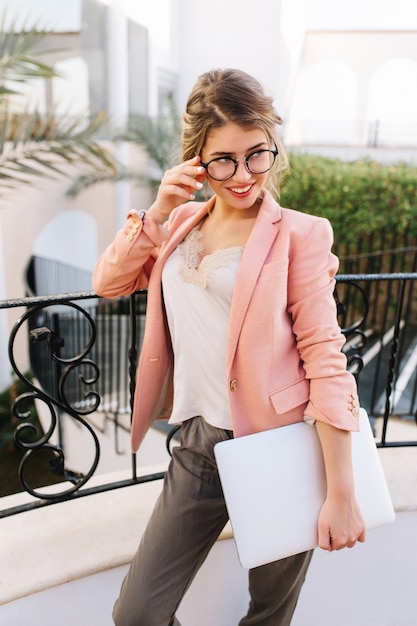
(177, 185)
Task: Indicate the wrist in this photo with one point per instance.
(156, 214)
(340, 487)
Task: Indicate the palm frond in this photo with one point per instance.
(89, 180)
(155, 136)
(32, 145)
(159, 136)
(19, 56)
(4, 91)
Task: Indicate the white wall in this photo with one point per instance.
(362, 15)
(263, 39)
(163, 20)
(343, 77)
(58, 16)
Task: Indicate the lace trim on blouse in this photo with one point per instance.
(197, 267)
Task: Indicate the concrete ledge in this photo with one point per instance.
(56, 544)
(63, 542)
(51, 546)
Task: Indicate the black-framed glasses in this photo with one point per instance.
(223, 168)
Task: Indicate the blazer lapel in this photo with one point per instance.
(182, 230)
(263, 235)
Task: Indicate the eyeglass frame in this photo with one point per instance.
(236, 162)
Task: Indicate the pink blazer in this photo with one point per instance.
(284, 359)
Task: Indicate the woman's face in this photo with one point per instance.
(241, 190)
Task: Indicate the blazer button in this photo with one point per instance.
(355, 405)
(233, 385)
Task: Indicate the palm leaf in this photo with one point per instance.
(159, 136)
(4, 91)
(32, 146)
(19, 53)
(94, 178)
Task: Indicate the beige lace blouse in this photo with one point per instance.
(198, 290)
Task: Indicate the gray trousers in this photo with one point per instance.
(187, 520)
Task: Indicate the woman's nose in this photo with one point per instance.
(242, 172)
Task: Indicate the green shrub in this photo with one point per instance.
(362, 199)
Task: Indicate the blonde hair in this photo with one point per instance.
(230, 95)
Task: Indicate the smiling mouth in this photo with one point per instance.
(241, 190)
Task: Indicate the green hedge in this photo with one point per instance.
(360, 198)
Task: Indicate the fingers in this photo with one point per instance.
(178, 185)
(336, 533)
(340, 525)
(325, 544)
(184, 179)
(189, 170)
(324, 540)
(330, 542)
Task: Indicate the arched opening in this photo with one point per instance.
(323, 112)
(71, 238)
(392, 104)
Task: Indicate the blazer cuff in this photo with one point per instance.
(155, 231)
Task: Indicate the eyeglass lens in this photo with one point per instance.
(257, 163)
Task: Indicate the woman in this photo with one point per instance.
(241, 336)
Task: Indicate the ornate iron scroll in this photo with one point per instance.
(64, 367)
(352, 313)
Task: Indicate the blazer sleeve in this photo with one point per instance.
(126, 264)
(312, 307)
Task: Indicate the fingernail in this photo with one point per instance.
(192, 196)
(199, 185)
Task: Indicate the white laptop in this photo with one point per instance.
(274, 485)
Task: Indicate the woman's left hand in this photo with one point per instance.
(341, 524)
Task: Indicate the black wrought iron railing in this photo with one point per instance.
(377, 313)
(83, 354)
(45, 276)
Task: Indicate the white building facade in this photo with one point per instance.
(340, 81)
